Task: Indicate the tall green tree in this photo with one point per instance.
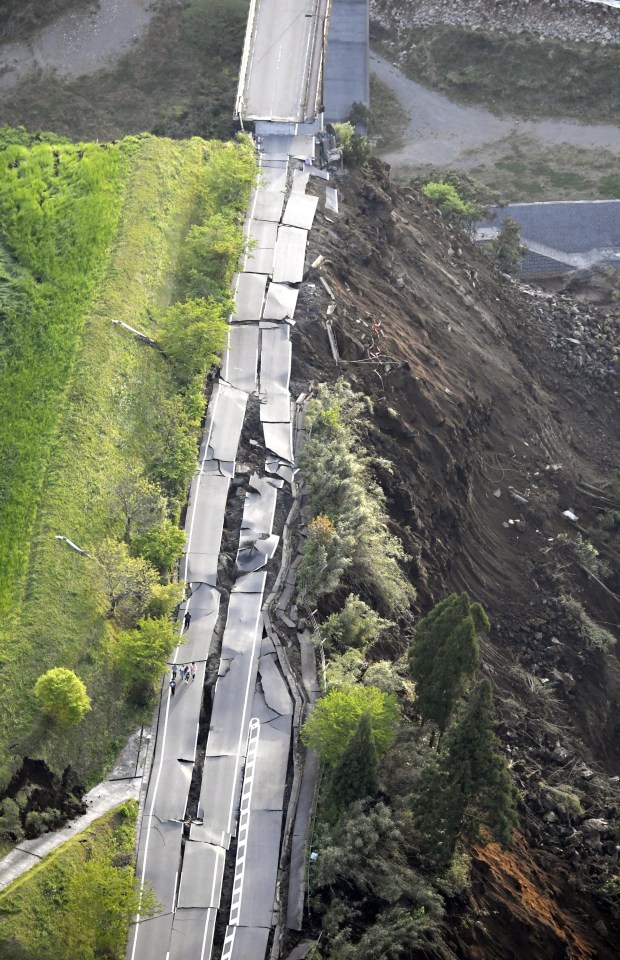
(444, 654)
(62, 695)
(141, 503)
(356, 774)
(467, 787)
(140, 655)
(479, 768)
(126, 581)
(336, 717)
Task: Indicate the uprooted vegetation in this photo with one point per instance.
(115, 451)
(493, 428)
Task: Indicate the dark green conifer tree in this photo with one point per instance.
(355, 776)
(469, 786)
(444, 655)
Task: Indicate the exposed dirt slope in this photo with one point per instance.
(496, 423)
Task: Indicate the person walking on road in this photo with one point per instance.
(173, 687)
(187, 619)
(174, 671)
(188, 674)
(193, 670)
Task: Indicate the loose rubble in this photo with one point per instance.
(557, 19)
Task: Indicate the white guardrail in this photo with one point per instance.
(247, 44)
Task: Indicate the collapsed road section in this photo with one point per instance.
(237, 822)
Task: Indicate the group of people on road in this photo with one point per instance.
(185, 671)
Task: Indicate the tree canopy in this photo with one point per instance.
(193, 336)
(141, 503)
(62, 695)
(140, 654)
(126, 581)
(336, 717)
(468, 786)
(356, 774)
(444, 654)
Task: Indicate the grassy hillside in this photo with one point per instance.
(33, 911)
(122, 410)
(59, 206)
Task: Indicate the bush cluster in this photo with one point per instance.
(349, 536)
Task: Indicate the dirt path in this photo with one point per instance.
(443, 133)
(78, 43)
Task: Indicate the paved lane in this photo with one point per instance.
(282, 61)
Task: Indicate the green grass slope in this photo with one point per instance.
(59, 206)
(121, 409)
(33, 909)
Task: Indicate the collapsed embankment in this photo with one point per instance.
(498, 408)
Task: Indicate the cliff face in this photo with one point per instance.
(498, 407)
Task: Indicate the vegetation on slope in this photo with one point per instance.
(48, 292)
(130, 415)
(78, 902)
(397, 809)
(349, 538)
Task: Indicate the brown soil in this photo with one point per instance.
(476, 389)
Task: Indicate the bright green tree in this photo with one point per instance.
(330, 727)
(165, 598)
(193, 336)
(356, 774)
(445, 196)
(161, 546)
(62, 695)
(444, 654)
(140, 655)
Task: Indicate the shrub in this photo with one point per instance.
(445, 196)
(193, 336)
(355, 148)
(356, 625)
(62, 695)
(164, 600)
(10, 821)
